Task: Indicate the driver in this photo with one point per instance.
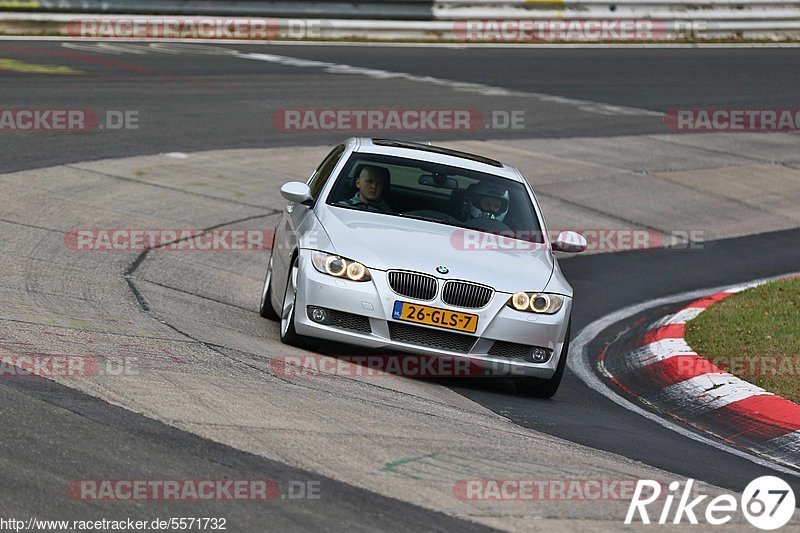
(371, 183)
(487, 200)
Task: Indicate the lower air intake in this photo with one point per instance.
(431, 338)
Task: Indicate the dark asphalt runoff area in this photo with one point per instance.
(194, 101)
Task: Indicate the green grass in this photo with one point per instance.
(754, 334)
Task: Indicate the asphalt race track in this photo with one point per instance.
(195, 98)
(178, 95)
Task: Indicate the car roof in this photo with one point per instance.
(435, 154)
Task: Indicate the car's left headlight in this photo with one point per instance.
(536, 302)
(339, 267)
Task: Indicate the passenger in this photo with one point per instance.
(487, 200)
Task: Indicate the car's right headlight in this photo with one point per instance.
(339, 267)
(538, 302)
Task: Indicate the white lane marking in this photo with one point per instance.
(176, 155)
(581, 364)
(338, 68)
(475, 88)
(705, 393)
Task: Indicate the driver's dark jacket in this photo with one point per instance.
(358, 203)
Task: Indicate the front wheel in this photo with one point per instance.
(266, 310)
(288, 334)
(545, 388)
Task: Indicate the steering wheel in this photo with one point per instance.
(487, 224)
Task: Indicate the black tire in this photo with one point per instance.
(265, 309)
(288, 334)
(545, 388)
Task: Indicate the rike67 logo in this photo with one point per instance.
(767, 503)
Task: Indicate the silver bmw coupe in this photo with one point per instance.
(413, 248)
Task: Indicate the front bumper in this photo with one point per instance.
(501, 330)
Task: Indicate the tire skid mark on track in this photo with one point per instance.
(32, 226)
(220, 348)
(145, 307)
(90, 331)
(129, 274)
(210, 381)
(188, 293)
(311, 387)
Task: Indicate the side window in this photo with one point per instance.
(322, 174)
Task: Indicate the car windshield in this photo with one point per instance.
(401, 187)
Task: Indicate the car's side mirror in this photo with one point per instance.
(297, 192)
(570, 241)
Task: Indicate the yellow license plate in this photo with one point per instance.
(433, 316)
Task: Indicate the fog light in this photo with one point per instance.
(540, 355)
(317, 314)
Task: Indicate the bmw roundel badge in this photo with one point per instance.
(441, 269)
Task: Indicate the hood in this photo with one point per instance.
(385, 242)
